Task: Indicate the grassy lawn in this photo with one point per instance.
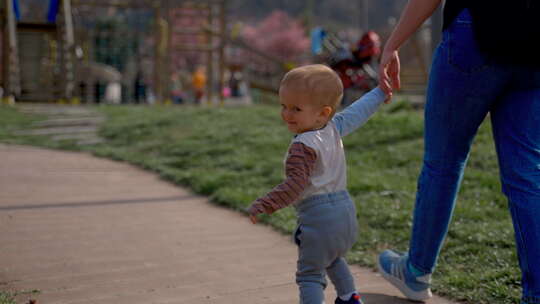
(6, 298)
(235, 154)
(10, 297)
(10, 121)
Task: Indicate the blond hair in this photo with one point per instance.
(319, 82)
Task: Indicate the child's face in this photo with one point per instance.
(299, 113)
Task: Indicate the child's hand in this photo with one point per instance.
(252, 212)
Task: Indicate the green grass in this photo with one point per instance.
(12, 121)
(235, 154)
(6, 298)
(10, 297)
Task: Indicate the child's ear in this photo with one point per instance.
(326, 111)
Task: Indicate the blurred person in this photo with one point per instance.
(177, 89)
(198, 82)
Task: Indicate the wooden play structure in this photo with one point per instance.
(90, 50)
(10, 60)
(198, 28)
(132, 51)
(37, 57)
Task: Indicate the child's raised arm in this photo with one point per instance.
(359, 112)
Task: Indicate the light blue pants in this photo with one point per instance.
(327, 229)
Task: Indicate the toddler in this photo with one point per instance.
(316, 179)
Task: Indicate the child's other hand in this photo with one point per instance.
(252, 213)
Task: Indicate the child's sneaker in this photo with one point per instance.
(355, 299)
(394, 269)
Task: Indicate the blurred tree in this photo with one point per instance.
(278, 35)
(334, 15)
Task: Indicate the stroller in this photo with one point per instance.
(354, 67)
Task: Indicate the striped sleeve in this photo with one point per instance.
(298, 169)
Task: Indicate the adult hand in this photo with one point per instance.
(389, 72)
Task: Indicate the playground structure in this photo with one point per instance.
(115, 51)
(37, 57)
(126, 51)
(135, 51)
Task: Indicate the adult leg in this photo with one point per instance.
(457, 103)
(516, 129)
(462, 88)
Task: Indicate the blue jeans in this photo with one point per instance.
(465, 86)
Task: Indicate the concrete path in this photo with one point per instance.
(85, 230)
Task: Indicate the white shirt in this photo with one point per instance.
(330, 171)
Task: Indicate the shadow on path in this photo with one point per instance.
(375, 298)
(170, 199)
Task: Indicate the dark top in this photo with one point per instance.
(452, 8)
(505, 31)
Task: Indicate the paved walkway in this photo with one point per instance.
(85, 230)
